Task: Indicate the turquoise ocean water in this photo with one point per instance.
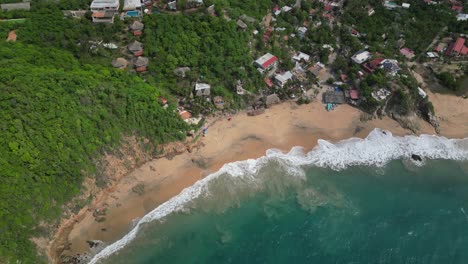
(400, 212)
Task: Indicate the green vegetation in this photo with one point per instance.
(418, 25)
(57, 115)
(448, 80)
(215, 50)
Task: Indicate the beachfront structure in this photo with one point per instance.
(202, 89)
(136, 48)
(104, 10)
(282, 79)
(333, 97)
(266, 62)
(361, 56)
(16, 6)
(218, 101)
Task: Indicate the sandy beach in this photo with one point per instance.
(243, 137)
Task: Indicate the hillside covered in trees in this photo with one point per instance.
(57, 115)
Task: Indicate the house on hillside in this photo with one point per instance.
(132, 8)
(136, 48)
(374, 64)
(301, 32)
(408, 53)
(16, 6)
(141, 64)
(202, 89)
(266, 62)
(462, 17)
(241, 24)
(361, 56)
(137, 28)
(119, 63)
(301, 57)
(103, 11)
(390, 66)
(457, 48)
(317, 69)
(282, 79)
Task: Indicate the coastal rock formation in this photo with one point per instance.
(434, 121)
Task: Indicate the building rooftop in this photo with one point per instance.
(16, 6)
(201, 86)
(459, 45)
(266, 60)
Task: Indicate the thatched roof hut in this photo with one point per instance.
(119, 63)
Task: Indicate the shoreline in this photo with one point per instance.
(282, 127)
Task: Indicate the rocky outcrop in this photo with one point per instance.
(434, 121)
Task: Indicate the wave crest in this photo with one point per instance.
(377, 149)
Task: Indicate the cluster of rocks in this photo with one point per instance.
(95, 246)
(99, 214)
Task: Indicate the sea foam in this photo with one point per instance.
(377, 149)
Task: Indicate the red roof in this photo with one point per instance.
(459, 45)
(98, 14)
(276, 8)
(438, 48)
(268, 82)
(267, 63)
(457, 8)
(406, 52)
(375, 63)
(344, 77)
(137, 33)
(141, 69)
(464, 50)
(328, 8)
(185, 115)
(354, 94)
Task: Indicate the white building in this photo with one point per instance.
(282, 79)
(105, 5)
(301, 31)
(421, 92)
(301, 56)
(202, 89)
(405, 5)
(462, 17)
(361, 56)
(104, 10)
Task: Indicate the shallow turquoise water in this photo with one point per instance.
(396, 214)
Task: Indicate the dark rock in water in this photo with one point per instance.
(416, 157)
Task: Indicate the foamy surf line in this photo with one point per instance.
(377, 149)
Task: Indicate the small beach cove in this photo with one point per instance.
(282, 126)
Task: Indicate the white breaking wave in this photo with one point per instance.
(377, 149)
